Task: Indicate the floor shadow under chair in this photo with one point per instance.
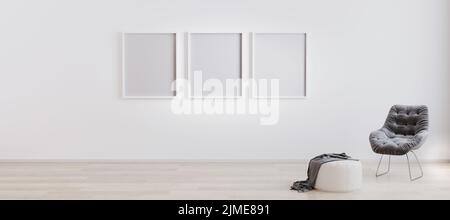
(405, 131)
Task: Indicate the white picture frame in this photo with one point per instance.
(190, 63)
(297, 73)
(158, 85)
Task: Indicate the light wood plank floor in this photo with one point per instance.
(202, 180)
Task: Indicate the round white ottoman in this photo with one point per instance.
(340, 176)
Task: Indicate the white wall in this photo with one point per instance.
(60, 77)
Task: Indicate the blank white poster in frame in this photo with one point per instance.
(149, 65)
(217, 56)
(281, 56)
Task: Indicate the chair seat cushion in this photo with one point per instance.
(382, 144)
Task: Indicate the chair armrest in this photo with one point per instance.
(421, 137)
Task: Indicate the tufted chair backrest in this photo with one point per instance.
(407, 120)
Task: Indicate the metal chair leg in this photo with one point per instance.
(378, 168)
(409, 167)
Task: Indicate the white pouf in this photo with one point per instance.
(340, 176)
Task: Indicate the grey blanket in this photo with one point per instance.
(313, 170)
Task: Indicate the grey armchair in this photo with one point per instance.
(405, 130)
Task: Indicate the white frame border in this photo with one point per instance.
(189, 72)
(253, 74)
(123, 92)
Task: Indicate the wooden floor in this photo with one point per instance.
(202, 180)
